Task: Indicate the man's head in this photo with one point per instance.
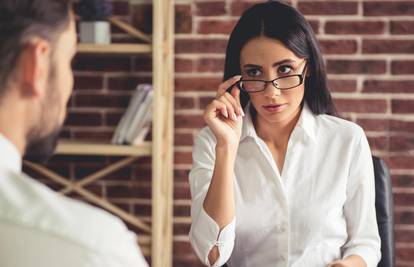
(37, 44)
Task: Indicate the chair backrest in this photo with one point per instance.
(384, 206)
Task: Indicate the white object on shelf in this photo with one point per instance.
(96, 32)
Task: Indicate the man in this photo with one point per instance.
(38, 227)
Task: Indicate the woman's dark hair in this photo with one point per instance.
(280, 21)
(21, 20)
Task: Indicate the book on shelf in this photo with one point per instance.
(136, 121)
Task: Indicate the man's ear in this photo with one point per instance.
(35, 64)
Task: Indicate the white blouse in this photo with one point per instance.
(319, 209)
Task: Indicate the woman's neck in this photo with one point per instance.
(276, 133)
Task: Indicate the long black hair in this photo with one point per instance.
(280, 21)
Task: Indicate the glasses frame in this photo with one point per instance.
(301, 79)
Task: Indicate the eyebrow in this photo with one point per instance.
(274, 64)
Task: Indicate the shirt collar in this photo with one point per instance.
(10, 157)
(305, 125)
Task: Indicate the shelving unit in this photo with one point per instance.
(161, 45)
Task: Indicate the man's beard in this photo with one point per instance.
(41, 149)
(40, 145)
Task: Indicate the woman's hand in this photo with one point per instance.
(338, 263)
(224, 114)
(350, 261)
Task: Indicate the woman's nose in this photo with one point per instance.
(271, 90)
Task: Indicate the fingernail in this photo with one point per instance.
(226, 114)
(234, 117)
(242, 112)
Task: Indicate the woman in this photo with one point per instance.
(277, 179)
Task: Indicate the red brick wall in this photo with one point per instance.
(369, 50)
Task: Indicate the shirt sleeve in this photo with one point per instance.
(205, 232)
(359, 209)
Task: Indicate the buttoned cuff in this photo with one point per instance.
(206, 234)
(368, 254)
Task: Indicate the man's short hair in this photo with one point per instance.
(21, 20)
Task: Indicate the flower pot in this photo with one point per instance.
(96, 32)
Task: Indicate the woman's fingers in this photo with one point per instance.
(230, 108)
(224, 86)
(235, 92)
(218, 105)
(236, 105)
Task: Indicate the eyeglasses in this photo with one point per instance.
(281, 83)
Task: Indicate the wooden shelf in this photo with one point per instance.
(94, 149)
(115, 48)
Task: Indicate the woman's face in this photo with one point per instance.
(264, 58)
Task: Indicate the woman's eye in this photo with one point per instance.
(253, 72)
(285, 70)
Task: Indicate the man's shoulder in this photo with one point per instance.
(26, 202)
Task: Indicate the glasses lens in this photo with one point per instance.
(252, 86)
(287, 82)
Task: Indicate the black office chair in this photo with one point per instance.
(384, 206)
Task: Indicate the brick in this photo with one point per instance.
(400, 67)
(402, 27)
(361, 105)
(401, 162)
(200, 46)
(216, 8)
(184, 65)
(377, 125)
(402, 106)
(386, 46)
(184, 102)
(378, 143)
(88, 82)
(84, 119)
(314, 25)
(210, 65)
(197, 84)
(338, 46)
(402, 235)
(181, 192)
(189, 121)
(216, 26)
(182, 211)
(356, 66)
(102, 100)
(328, 8)
(130, 190)
(183, 158)
(127, 83)
(238, 7)
(402, 126)
(181, 247)
(102, 63)
(205, 100)
(388, 86)
(354, 27)
(98, 135)
(388, 8)
(142, 17)
(112, 118)
(142, 209)
(143, 63)
(401, 143)
(402, 181)
(120, 8)
(181, 175)
(181, 229)
(183, 139)
(342, 85)
(403, 217)
(183, 19)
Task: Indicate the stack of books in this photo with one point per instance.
(136, 122)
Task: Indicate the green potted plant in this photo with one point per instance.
(94, 25)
